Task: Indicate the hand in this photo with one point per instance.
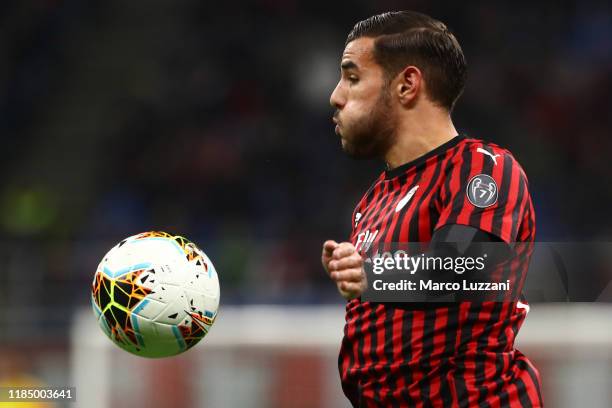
(345, 267)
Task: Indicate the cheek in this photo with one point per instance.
(359, 103)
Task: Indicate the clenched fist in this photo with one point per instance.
(345, 266)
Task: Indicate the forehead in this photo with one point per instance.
(359, 51)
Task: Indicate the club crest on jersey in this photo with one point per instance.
(482, 191)
(357, 218)
(364, 240)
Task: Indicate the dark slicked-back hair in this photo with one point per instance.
(404, 38)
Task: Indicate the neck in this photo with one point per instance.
(415, 138)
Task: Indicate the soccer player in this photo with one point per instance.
(401, 74)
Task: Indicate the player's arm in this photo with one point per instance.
(485, 189)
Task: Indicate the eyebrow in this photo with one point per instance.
(348, 65)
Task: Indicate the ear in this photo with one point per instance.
(409, 84)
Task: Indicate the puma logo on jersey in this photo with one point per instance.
(492, 156)
(364, 240)
(402, 203)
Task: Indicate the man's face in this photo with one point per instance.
(364, 117)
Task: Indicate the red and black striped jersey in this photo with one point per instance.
(440, 355)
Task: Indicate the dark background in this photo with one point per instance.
(212, 120)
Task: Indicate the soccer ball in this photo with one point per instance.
(155, 294)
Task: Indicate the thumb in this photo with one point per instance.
(328, 247)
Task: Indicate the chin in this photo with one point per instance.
(354, 152)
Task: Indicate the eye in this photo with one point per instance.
(353, 79)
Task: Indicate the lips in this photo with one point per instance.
(336, 120)
(337, 123)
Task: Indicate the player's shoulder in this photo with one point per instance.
(473, 146)
(479, 152)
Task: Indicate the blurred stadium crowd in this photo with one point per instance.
(213, 122)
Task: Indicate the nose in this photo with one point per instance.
(336, 100)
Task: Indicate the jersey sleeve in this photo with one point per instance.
(485, 188)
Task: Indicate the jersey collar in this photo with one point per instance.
(389, 174)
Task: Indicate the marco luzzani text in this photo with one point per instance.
(403, 263)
